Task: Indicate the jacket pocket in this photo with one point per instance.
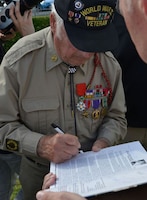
(38, 113)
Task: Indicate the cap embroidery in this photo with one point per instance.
(89, 23)
(78, 5)
(95, 16)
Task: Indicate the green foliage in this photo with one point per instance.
(39, 22)
(16, 189)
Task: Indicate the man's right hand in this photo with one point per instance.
(58, 148)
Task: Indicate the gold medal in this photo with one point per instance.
(85, 114)
(95, 114)
(103, 112)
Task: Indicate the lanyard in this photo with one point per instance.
(71, 72)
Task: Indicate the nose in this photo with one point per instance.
(83, 54)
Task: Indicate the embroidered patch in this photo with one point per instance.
(12, 145)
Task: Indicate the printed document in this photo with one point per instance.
(111, 169)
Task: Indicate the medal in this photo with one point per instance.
(95, 114)
(104, 102)
(104, 107)
(96, 103)
(103, 112)
(81, 106)
(85, 114)
(81, 89)
(97, 98)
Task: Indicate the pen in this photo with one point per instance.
(57, 128)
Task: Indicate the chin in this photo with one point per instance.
(142, 53)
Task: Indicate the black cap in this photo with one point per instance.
(89, 23)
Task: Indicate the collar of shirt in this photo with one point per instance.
(53, 58)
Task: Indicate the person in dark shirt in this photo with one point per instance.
(134, 72)
(4, 38)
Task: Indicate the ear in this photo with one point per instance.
(143, 6)
(53, 22)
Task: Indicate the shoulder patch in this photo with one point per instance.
(12, 145)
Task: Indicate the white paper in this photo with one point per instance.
(111, 169)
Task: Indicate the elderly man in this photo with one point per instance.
(135, 15)
(56, 76)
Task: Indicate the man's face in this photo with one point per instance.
(67, 52)
(128, 12)
(136, 22)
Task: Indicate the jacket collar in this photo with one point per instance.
(53, 59)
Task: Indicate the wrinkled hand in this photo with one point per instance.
(49, 180)
(100, 144)
(23, 24)
(58, 148)
(47, 195)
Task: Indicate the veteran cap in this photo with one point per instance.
(88, 23)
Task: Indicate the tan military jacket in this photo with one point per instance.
(35, 92)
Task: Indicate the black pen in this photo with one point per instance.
(57, 128)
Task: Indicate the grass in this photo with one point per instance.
(39, 22)
(16, 188)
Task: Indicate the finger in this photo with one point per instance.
(71, 150)
(17, 10)
(49, 180)
(61, 157)
(47, 195)
(72, 140)
(28, 14)
(11, 13)
(39, 195)
(100, 144)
